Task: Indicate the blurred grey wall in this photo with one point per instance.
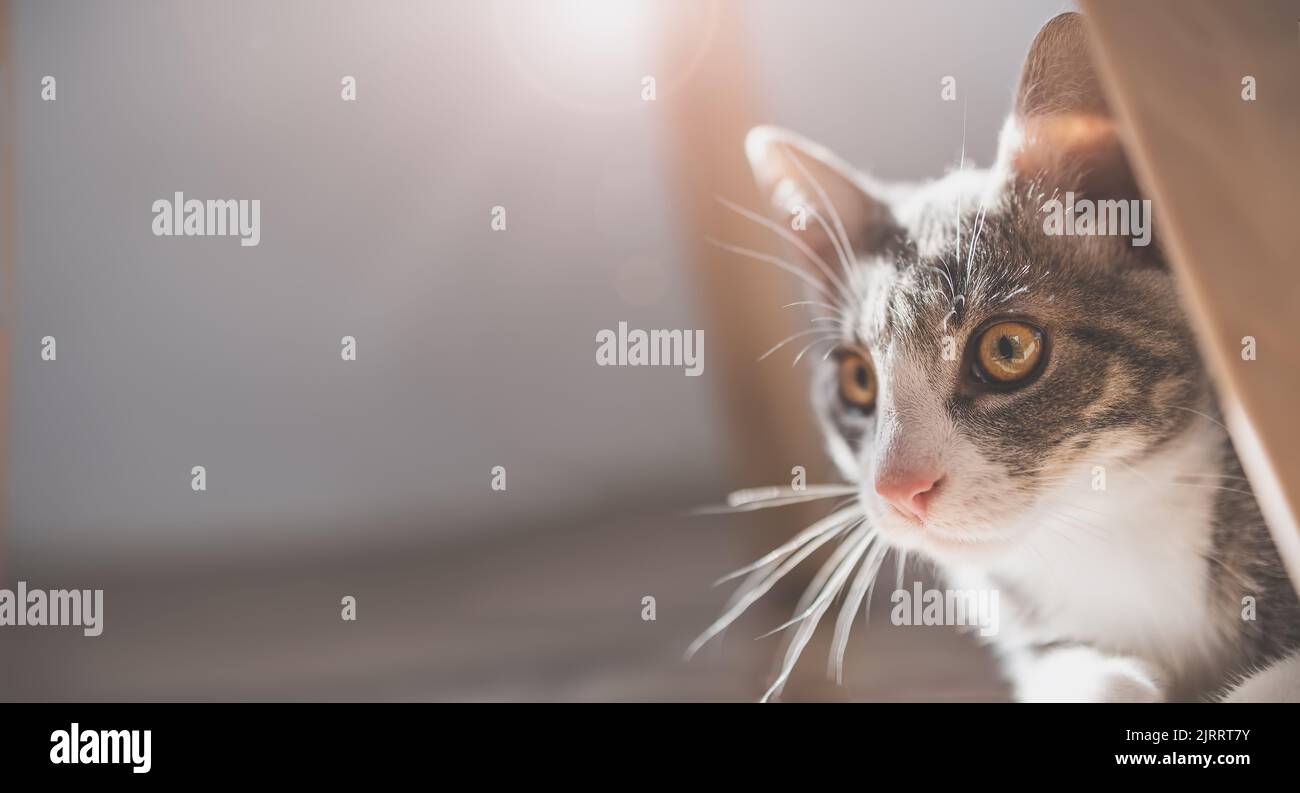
(476, 347)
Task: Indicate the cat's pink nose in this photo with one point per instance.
(909, 491)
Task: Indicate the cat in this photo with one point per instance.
(1025, 410)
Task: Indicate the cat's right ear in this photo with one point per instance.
(835, 212)
(1061, 133)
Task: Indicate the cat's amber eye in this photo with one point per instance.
(1008, 352)
(857, 381)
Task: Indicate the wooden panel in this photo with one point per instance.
(1222, 173)
(708, 116)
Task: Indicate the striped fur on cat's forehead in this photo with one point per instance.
(998, 260)
(1123, 357)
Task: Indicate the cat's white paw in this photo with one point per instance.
(1082, 674)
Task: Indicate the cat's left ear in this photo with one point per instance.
(818, 197)
(1061, 133)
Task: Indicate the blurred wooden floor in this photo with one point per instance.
(552, 616)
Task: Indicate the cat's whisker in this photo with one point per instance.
(1211, 487)
(952, 310)
(1007, 297)
(1073, 505)
(841, 255)
(946, 276)
(961, 167)
(847, 255)
(799, 335)
(1145, 476)
(947, 273)
(939, 294)
(757, 505)
(751, 495)
(1173, 480)
(1053, 488)
(829, 577)
(790, 237)
(776, 555)
(1031, 546)
(871, 588)
(775, 261)
(1069, 525)
(858, 590)
(827, 585)
(834, 522)
(792, 653)
(1058, 497)
(824, 535)
(834, 342)
(1078, 522)
(979, 228)
(754, 578)
(1205, 416)
(843, 315)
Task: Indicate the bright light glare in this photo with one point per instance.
(588, 53)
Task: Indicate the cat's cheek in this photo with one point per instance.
(983, 554)
(949, 545)
(848, 464)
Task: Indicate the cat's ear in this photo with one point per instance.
(1061, 133)
(818, 198)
